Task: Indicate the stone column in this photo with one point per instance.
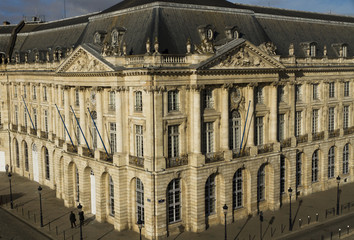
(82, 114)
(196, 111)
(273, 116)
(224, 129)
(99, 121)
(119, 123)
(67, 112)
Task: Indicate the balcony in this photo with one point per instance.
(71, 148)
(44, 135)
(236, 153)
(334, 133)
(266, 148)
(106, 157)
(317, 136)
(86, 152)
(302, 139)
(348, 131)
(214, 157)
(136, 161)
(33, 131)
(177, 161)
(285, 143)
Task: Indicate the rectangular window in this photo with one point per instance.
(78, 132)
(281, 127)
(138, 101)
(173, 141)
(298, 169)
(298, 123)
(331, 90)
(344, 51)
(281, 94)
(16, 115)
(15, 91)
(139, 141)
(113, 137)
(259, 95)
(282, 174)
(174, 201)
(315, 92)
(315, 121)
(208, 137)
(346, 89)
(345, 117)
(259, 131)
(208, 99)
(77, 98)
(331, 119)
(46, 121)
(25, 116)
(34, 94)
(313, 50)
(45, 96)
(173, 103)
(24, 91)
(298, 93)
(314, 176)
(331, 159)
(346, 159)
(35, 117)
(112, 101)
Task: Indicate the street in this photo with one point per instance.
(12, 228)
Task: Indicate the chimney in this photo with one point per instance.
(5, 23)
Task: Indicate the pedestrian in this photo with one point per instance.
(72, 219)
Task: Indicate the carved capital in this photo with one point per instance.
(252, 84)
(227, 86)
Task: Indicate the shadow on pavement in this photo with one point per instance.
(243, 226)
(297, 212)
(5, 199)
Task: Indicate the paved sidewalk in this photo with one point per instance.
(275, 224)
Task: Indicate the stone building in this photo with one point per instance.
(167, 110)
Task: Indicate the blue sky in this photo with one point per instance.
(14, 10)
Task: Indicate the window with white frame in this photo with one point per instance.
(47, 164)
(174, 201)
(259, 94)
(45, 96)
(346, 159)
(138, 101)
(25, 149)
(259, 131)
(34, 92)
(282, 174)
(346, 89)
(235, 131)
(77, 184)
(140, 200)
(46, 121)
(344, 51)
(314, 175)
(331, 90)
(298, 93)
(113, 137)
(208, 99)
(261, 184)
(331, 159)
(298, 169)
(173, 141)
(315, 92)
(139, 140)
(281, 127)
(35, 117)
(312, 50)
(314, 121)
(111, 196)
(25, 116)
(77, 98)
(173, 101)
(16, 114)
(210, 196)
(112, 101)
(298, 123)
(208, 143)
(331, 117)
(237, 190)
(281, 93)
(345, 117)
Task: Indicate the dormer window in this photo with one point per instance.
(312, 50)
(114, 37)
(206, 32)
(344, 51)
(210, 34)
(117, 36)
(98, 37)
(341, 49)
(235, 35)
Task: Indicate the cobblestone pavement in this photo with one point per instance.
(275, 225)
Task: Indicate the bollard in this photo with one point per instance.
(348, 229)
(308, 219)
(317, 216)
(300, 222)
(339, 232)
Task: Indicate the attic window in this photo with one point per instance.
(97, 38)
(115, 37)
(210, 34)
(312, 50)
(235, 35)
(344, 51)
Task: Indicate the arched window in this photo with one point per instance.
(47, 166)
(235, 131)
(331, 159)
(17, 154)
(174, 201)
(261, 183)
(139, 200)
(282, 174)
(237, 190)
(210, 195)
(298, 169)
(314, 175)
(111, 196)
(77, 185)
(25, 151)
(346, 159)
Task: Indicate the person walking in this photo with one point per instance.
(72, 219)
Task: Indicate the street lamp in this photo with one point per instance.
(11, 202)
(338, 181)
(40, 204)
(225, 213)
(290, 219)
(260, 224)
(140, 225)
(81, 217)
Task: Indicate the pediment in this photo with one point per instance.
(241, 55)
(84, 60)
